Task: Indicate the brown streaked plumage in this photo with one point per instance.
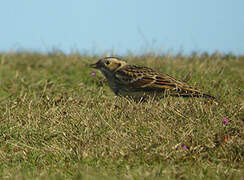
(139, 82)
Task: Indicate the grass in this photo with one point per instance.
(59, 122)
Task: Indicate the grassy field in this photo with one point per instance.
(59, 121)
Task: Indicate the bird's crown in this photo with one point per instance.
(109, 63)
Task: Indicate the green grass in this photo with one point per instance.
(59, 122)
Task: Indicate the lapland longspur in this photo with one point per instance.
(140, 82)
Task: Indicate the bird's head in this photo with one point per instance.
(108, 64)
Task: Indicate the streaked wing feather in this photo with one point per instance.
(165, 82)
(145, 78)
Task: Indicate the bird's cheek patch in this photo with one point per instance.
(114, 66)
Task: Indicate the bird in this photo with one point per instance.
(139, 82)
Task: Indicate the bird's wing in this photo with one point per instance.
(142, 78)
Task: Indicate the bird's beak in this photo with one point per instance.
(93, 65)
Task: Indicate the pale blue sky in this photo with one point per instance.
(126, 25)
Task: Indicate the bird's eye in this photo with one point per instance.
(107, 62)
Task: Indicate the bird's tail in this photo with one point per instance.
(192, 92)
(208, 96)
